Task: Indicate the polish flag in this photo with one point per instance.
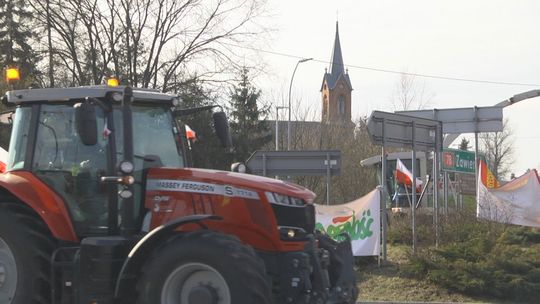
(4, 155)
(190, 134)
(404, 176)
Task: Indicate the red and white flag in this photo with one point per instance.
(404, 176)
(190, 134)
(4, 155)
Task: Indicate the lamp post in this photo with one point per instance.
(290, 87)
(277, 125)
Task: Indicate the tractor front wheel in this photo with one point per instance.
(204, 267)
(25, 252)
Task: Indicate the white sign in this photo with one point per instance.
(198, 187)
(359, 218)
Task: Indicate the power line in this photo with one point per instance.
(391, 71)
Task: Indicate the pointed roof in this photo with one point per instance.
(336, 62)
(337, 68)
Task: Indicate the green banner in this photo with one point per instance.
(458, 161)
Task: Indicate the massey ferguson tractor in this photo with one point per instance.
(98, 206)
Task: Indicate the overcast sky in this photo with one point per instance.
(495, 41)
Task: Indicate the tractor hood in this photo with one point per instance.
(226, 178)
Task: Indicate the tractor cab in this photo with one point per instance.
(49, 133)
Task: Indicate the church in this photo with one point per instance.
(336, 97)
(336, 88)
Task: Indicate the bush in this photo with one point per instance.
(482, 262)
(400, 229)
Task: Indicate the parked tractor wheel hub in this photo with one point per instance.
(195, 283)
(203, 294)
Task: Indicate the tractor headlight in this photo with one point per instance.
(288, 233)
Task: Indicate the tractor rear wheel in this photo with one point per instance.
(25, 252)
(204, 267)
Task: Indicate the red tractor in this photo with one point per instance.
(98, 206)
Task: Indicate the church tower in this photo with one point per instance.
(336, 88)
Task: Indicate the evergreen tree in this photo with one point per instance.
(15, 35)
(206, 151)
(464, 145)
(250, 131)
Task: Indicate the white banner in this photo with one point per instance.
(359, 218)
(517, 202)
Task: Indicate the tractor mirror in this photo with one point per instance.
(86, 123)
(221, 126)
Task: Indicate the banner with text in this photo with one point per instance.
(359, 218)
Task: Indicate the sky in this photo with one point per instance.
(484, 40)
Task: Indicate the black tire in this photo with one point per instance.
(237, 264)
(30, 244)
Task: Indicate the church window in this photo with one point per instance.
(325, 105)
(341, 105)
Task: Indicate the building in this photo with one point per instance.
(336, 91)
(336, 88)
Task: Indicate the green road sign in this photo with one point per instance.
(458, 161)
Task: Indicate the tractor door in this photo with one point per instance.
(71, 168)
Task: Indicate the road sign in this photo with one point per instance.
(395, 130)
(458, 161)
(295, 163)
(464, 120)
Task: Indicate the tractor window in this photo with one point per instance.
(19, 135)
(154, 144)
(72, 169)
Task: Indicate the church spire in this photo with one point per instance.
(336, 63)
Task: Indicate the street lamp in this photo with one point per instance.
(277, 125)
(290, 87)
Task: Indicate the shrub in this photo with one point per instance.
(506, 265)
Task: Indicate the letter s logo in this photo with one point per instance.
(229, 191)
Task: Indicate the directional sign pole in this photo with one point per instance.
(384, 191)
(436, 196)
(328, 164)
(445, 194)
(413, 205)
(476, 150)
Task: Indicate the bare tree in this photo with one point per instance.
(351, 139)
(498, 149)
(410, 94)
(149, 43)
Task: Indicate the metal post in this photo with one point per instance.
(476, 148)
(445, 193)
(436, 195)
(277, 128)
(436, 172)
(328, 178)
(384, 196)
(413, 205)
(290, 88)
(277, 125)
(264, 164)
(384, 223)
